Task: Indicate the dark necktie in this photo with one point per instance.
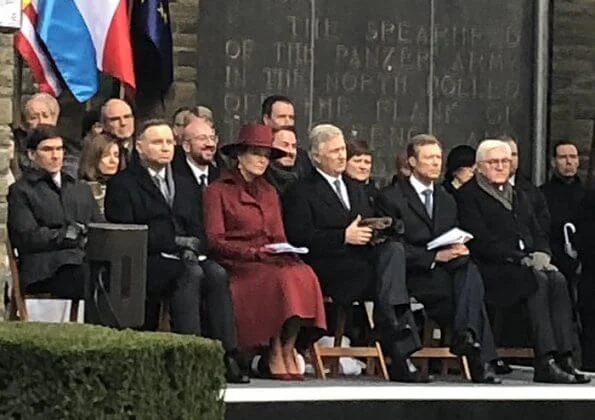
(203, 182)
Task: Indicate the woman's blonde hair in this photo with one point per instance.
(91, 155)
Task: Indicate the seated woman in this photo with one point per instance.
(273, 294)
(460, 167)
(359, 166)
(99, 161)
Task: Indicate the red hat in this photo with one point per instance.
(254, 135)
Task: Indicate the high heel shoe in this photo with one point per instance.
(263, 370)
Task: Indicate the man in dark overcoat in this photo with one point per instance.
(514, 258)
(48, 211)
(149, 193)
(444, 279)
(323, 212)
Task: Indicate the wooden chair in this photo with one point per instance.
(373, 354)
(164, 317)
(18, 307)
(436, 347)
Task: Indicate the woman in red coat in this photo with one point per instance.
(274, 295)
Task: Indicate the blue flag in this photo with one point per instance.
(153, 47)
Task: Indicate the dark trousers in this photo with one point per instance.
(550, 312)
(170, 278)
(66, 283)
(469, 309)
(391, 300)
(463, 309)
(214, 293)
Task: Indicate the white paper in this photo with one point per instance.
(10, 14)
(284, 248)
(453, 236)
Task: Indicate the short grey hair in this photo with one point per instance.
(321, 134)
(48, 100)
(490, 144)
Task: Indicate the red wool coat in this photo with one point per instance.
(267, 289)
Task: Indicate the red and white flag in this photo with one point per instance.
(29, 46)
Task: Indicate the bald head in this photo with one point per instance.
(199, 141)
(117, 119)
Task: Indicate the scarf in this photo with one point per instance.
(503, 196)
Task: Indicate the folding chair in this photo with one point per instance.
(373, 353)
(18, 307)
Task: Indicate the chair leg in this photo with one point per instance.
(74, 310)
(371, 366)
(381, 361)
(465, 366)
(339, 333)
(12, 311)
(317, 361)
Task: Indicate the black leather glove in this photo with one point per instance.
(188, 243)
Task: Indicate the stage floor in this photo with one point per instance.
(518, 386)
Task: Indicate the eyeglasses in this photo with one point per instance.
(497, 162)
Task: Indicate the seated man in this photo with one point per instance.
(282, 172)
(323, 212)
(117, 120)
(277, 112)
(514, 259)
(445, 280)
(148, 193)
(48, 211)
(43, 108)
(195, 157)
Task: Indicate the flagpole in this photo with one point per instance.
(130, 4)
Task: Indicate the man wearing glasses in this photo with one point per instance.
(199, 146)
(514, 259)
(48, 211)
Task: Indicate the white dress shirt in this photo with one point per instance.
(154, 173)
(419, 188)
(512, 179)
(57, 177)
(331, 180)
(198, 172)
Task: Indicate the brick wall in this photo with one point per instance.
(6, 93)
(573, 74)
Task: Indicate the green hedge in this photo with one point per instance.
(75, 371)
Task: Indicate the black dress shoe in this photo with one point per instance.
(482, 373)
(501, 367)
(465, 345)
(567, 365)
(405, 371)
(233, 373)
(547, 371)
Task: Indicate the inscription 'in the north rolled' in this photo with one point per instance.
(378, 69)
